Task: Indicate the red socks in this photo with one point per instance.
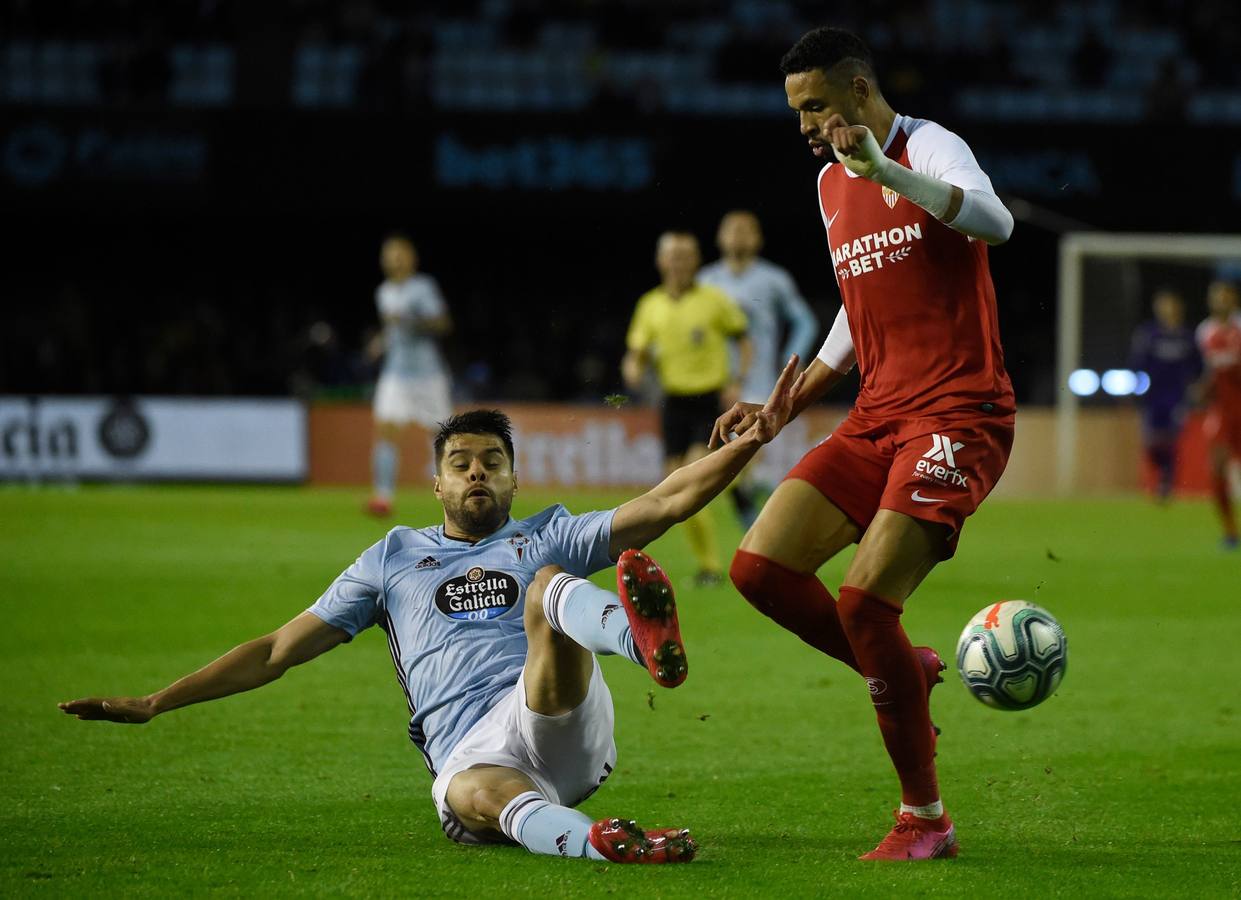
(863, 631)
(1223, 502)
(798, 603)
(897, 688)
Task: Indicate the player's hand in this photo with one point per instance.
(130, 710)
(737, 420)
(855, 147)
(775, 413)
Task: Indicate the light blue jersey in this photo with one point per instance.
(771, 300)
(403, 305)
(453, 611)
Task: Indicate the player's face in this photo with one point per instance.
(1169, 309)
(739, 235)
(677, 259)
(475, 483)
(1222, 299)
(817, 98)
(398, 259)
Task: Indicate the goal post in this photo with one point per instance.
(1077, 249)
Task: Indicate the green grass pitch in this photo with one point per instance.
(1128, 782)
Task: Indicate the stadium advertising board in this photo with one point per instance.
(557, 445)
(597, 447)
(152, 438)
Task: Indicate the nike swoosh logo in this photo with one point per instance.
(832, 218)
(920, 499)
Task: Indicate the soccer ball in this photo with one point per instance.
(1012, 655)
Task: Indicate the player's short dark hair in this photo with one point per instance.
(826, 48)
(401, 236)
(476, 421)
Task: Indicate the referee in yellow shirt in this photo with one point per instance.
(683, 329)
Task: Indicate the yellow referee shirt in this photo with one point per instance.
(688, 337)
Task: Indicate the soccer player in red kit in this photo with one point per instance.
(909, 215)
(1219, 340)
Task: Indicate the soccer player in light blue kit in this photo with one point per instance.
(414, 387)
(774, 308)
(493, 630)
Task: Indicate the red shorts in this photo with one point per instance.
(937, 470)
(1223, 429)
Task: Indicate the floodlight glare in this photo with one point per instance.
(1084, 382)
(1119, 382)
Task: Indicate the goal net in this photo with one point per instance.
(1106, 287)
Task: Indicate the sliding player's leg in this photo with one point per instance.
(638, 622)
(557, 730)
(497, 803)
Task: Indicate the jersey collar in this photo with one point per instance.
(495, 535)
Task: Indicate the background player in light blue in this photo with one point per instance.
(781, 323)
(493, 629)
(414, 387)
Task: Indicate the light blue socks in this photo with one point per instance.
(591, 616)
(542, 827)
(384, 460)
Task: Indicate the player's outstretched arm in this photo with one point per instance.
(245, 667)
(691, 487)
(812, 384)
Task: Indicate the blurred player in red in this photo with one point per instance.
(1219, 340)
(909, 215)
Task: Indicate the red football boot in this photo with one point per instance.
(379, 507)
(645, 591)
(622, 841)
(915, 838)
(932, 668)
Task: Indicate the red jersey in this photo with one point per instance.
(918, 295)
(1220, 344)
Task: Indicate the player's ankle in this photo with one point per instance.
(931, 812)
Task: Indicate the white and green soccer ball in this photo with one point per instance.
(1012, 655)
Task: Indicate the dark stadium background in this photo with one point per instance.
(189, 187)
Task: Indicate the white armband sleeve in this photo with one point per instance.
(930, 193)
(983, 216)
(941, 160)
(837, 350)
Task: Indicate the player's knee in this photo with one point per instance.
(848, 610)
(535, 620)
(861, 612)
(751, 576)
(487, 802)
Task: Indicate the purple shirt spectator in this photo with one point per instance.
(1170, 357)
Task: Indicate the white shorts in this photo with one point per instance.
(567, 757)
(402, 399)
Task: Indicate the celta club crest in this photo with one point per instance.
(519, 543)
(890, 197)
